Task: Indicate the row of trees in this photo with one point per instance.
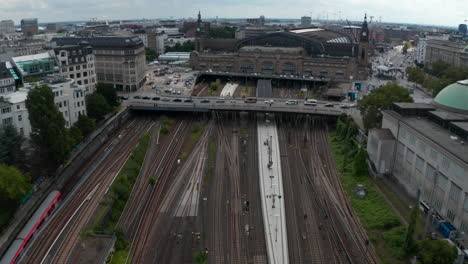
(52, 139)
(225, 32)
(381, 99)
(436, 78)
(187, 46)
(151, 54)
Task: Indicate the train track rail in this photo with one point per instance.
(56, 241)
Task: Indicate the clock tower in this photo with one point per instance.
(364, 44)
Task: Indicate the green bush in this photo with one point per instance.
(394, 239)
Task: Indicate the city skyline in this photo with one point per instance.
(434, 13)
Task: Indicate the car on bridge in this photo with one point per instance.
(137, 97)
(165, 99)
(311, 102)
(146, 98)
(188, 100)
(291, 102)
(157, 98)
(329, 105)
(220, 100)
(177, 100)
(250, 100)
(204, 101)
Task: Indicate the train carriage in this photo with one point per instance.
(34, 224)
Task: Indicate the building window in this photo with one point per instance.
(412, 139)
(64, 103)
(433, 154)
(6, 110)
(72, 76)
(79, 82)
(77, 67)
(85, 74)
(438, 204)
(403, 133)
(21, 131)
(20, 118)
(445, 163)
(7, 121)
(450, 215)
(86, 81)
(442, 182)
(63, 54)
(455, 192)
(18, 107)
(78, 75)
(409, 157)
(64, 69)
(419, 164)
(422, 146)
(70, 68)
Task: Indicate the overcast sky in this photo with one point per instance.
(435, 12)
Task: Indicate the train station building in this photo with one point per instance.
(423, 148)
(310, 52)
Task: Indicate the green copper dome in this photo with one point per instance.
(454, 97)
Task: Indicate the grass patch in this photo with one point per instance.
(381, 223)
(373, 210)
(166, 125)
(195, 134)
(119, 257)
(119, 193)
(211, 161)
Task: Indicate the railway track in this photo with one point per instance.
(56, 241)
(142, 240)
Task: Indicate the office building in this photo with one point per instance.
(119, 61)
(7, 27)
(306, 21)
(422, 46)
(29, 27)
(451, 52)
(423, 148)
(78, 63)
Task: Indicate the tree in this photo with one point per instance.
(438, 68)
(214, 86)
(13, 184)
(201, 257)
(381, 99)
(97, 106)
(436, 252)
(360, 163)
(108, 91)
(410, 245)
(86, 125)
(225, 32)
(48, 125)
(75, 136)
(10, 143)
(187, 46)
(406, 47)
(151, 54)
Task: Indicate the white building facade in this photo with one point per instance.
(422, 45)
(77, 62)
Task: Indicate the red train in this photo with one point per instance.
(34, 224)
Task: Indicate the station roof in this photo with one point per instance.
(454, 97)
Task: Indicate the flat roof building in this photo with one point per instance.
(429, 152)
(29, 26)
(35, 65)
(120, 60)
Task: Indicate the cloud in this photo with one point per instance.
(450, 12)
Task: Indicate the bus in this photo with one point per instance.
(250, 100)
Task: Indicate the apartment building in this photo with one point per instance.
(78, 63)
(29, 27)
(7, 27)
(119, 60)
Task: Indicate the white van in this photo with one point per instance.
(311, 102)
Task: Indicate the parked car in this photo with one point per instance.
(136, 97)
(146, 98)
(165, 99)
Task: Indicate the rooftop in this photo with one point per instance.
(384, 133)
(17, 97)
(415, 106)
(454, 97)
(434, 133)
(107, 41)
(40, 56)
